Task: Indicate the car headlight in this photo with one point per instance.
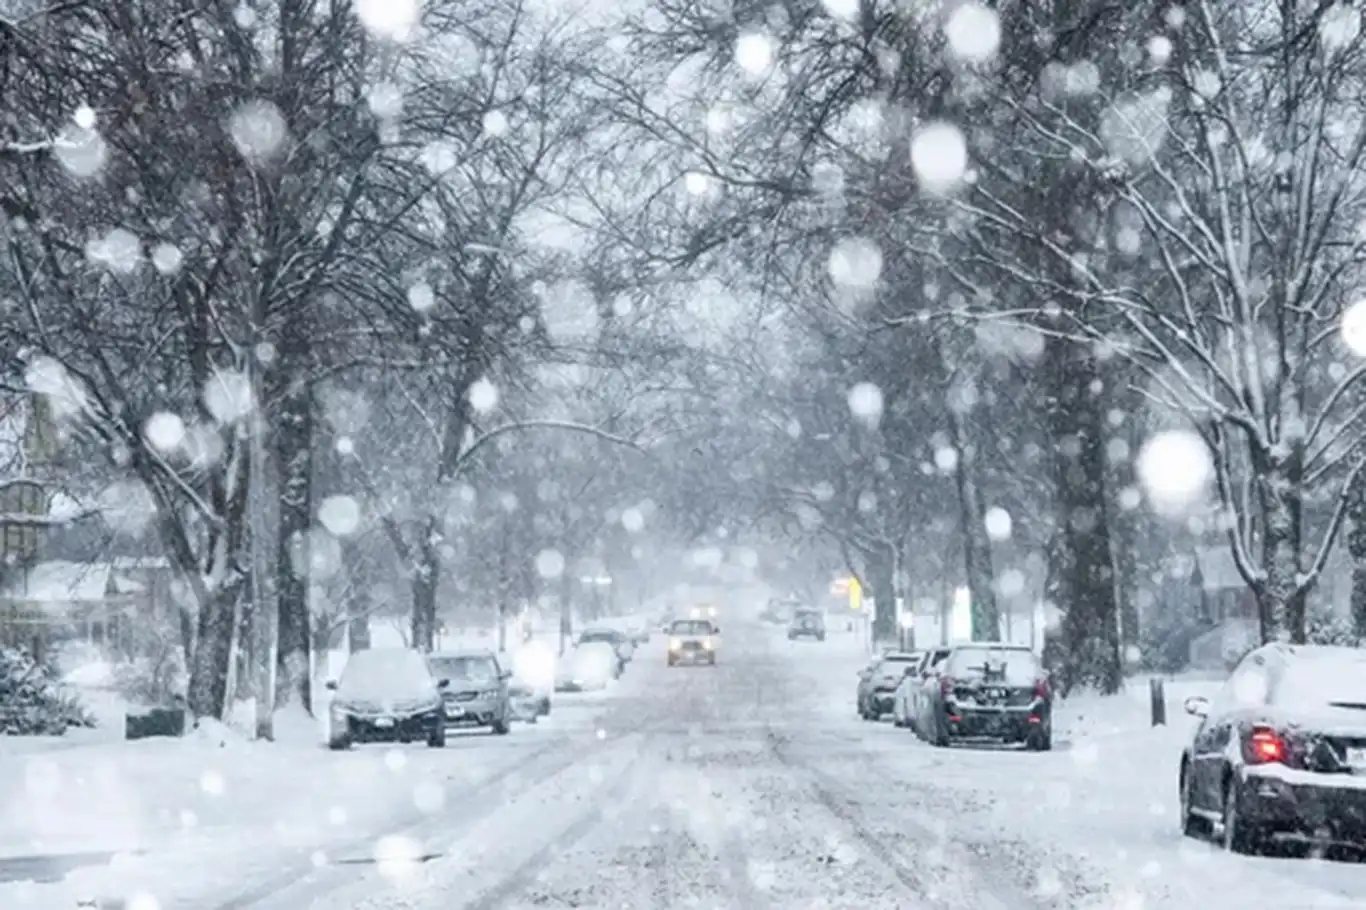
(675, 644)
(706, 643)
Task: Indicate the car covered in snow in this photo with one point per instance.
(987, 691)
(906, 698)
(622, 644)
(589, 667)
(386, 695)
(475, 690)
(877, 682)
(1280, 751)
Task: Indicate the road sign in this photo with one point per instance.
(855, 594)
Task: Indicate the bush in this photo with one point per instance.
(32, 699)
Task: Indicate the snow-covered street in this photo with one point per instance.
(751, 785)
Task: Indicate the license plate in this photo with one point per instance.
(1356, 756)
(384, 721)
(455, 711)
(997, 693)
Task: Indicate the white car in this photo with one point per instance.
(906, 698)
(589, 667)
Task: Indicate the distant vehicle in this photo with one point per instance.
(807, 623)
(878, 681)
(693, 641)
(1281, 751)
(622, 643)
(533, 679)
(905, 698)
(476, 693)
(386, 695)
(987, 690)
(589, 667)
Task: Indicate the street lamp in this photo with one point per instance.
(905, 622)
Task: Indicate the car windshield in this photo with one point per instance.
(1310, 680)
(473, 668)
(1013, 666)
(896, 663)
(385, 673)
(690, 627)
(606, 635)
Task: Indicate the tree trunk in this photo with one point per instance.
(293, 437)
(986, 612)
(880, 568)
(1281, 600)
(1089, 637)
(1356, 548)
(426, 574)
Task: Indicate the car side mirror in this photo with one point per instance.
(330, 685)
(716, 630)
(1197, 706)
(442, 683)
(505, 675)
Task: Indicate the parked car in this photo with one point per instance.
(987, 690)
(807, 623)
(476, 691)
(533, 678)
(692, 641)
(386, 695)
(879, 680)
(906, 697)
(1281, 751)
(621, 643)
(589, 667)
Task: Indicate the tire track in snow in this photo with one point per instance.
(305, 879)
(946, 875)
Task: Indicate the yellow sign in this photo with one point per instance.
(855, 594)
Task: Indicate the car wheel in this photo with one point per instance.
(544, 709)
(340, 744)
(1240, 835)
(1192, 825)
(437, 738)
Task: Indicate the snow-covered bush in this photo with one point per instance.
(32, 699)
(1324, 627)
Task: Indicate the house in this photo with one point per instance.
(100, 603)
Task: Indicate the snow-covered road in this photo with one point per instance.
(755, 785)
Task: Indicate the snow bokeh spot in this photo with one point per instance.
(397, 856)
(118, 251)
(754, 53)
(228, 396)
(212, 783)
(865, 402)
(1339, 27)
(483, 396)
(142, 900)
(385, 100)
(856, 264)
(47, 377)
(421, 297)
(939, 156)
(167, 258)
(973, 32)
(395, 760)
(1353, 328)
(1174, 468)
(549, 564)
(429, 797)
(82, 152)
(127, 507)
(340, 515)
(496, 124)
(998, 524)
(390, 20)
(259, 132)
(847, 10)
(633, 520)
(164, 431)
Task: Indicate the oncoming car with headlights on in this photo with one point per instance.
(693, 641)
(533, 679)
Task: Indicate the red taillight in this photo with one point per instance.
(1265, 746)
(1041, 690)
